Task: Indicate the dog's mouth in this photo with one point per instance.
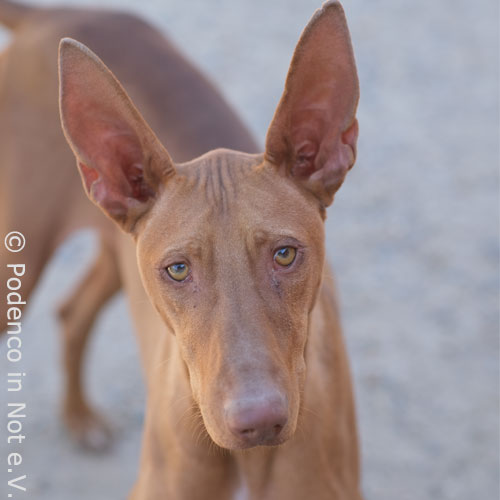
(252, 428)
(251, 439)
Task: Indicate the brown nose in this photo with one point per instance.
(257, 421)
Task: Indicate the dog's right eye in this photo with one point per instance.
(285, 256)
(179, 271)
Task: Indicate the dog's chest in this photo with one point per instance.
(242, 492)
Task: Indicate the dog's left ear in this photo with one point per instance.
(314, 130)
(122, 163)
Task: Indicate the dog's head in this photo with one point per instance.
(230, 246)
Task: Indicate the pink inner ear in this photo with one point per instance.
(304, 163)
(335, 158)
(114, 173)
(134, 174)
(116, 189)
(308, 129)
(112, 169)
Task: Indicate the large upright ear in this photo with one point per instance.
(314, 130)
(121, 161)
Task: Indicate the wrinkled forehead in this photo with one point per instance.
(227, 194)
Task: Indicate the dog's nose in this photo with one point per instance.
(257, 421)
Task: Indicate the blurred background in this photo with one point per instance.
(413, 237)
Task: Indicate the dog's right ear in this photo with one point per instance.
(121, 161)
(314, 130)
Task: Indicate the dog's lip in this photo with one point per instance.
(245, 445)
(233, 443)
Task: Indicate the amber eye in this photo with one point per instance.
(285, 256)
(179, 271)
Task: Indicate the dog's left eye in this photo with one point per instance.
(285, 256)
(179, 271)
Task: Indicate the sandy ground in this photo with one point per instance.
(413, 238)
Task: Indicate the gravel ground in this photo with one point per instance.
(413, 238)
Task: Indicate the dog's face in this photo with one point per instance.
(230, 246)
(231, 256)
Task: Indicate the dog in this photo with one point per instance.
(218, 246)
